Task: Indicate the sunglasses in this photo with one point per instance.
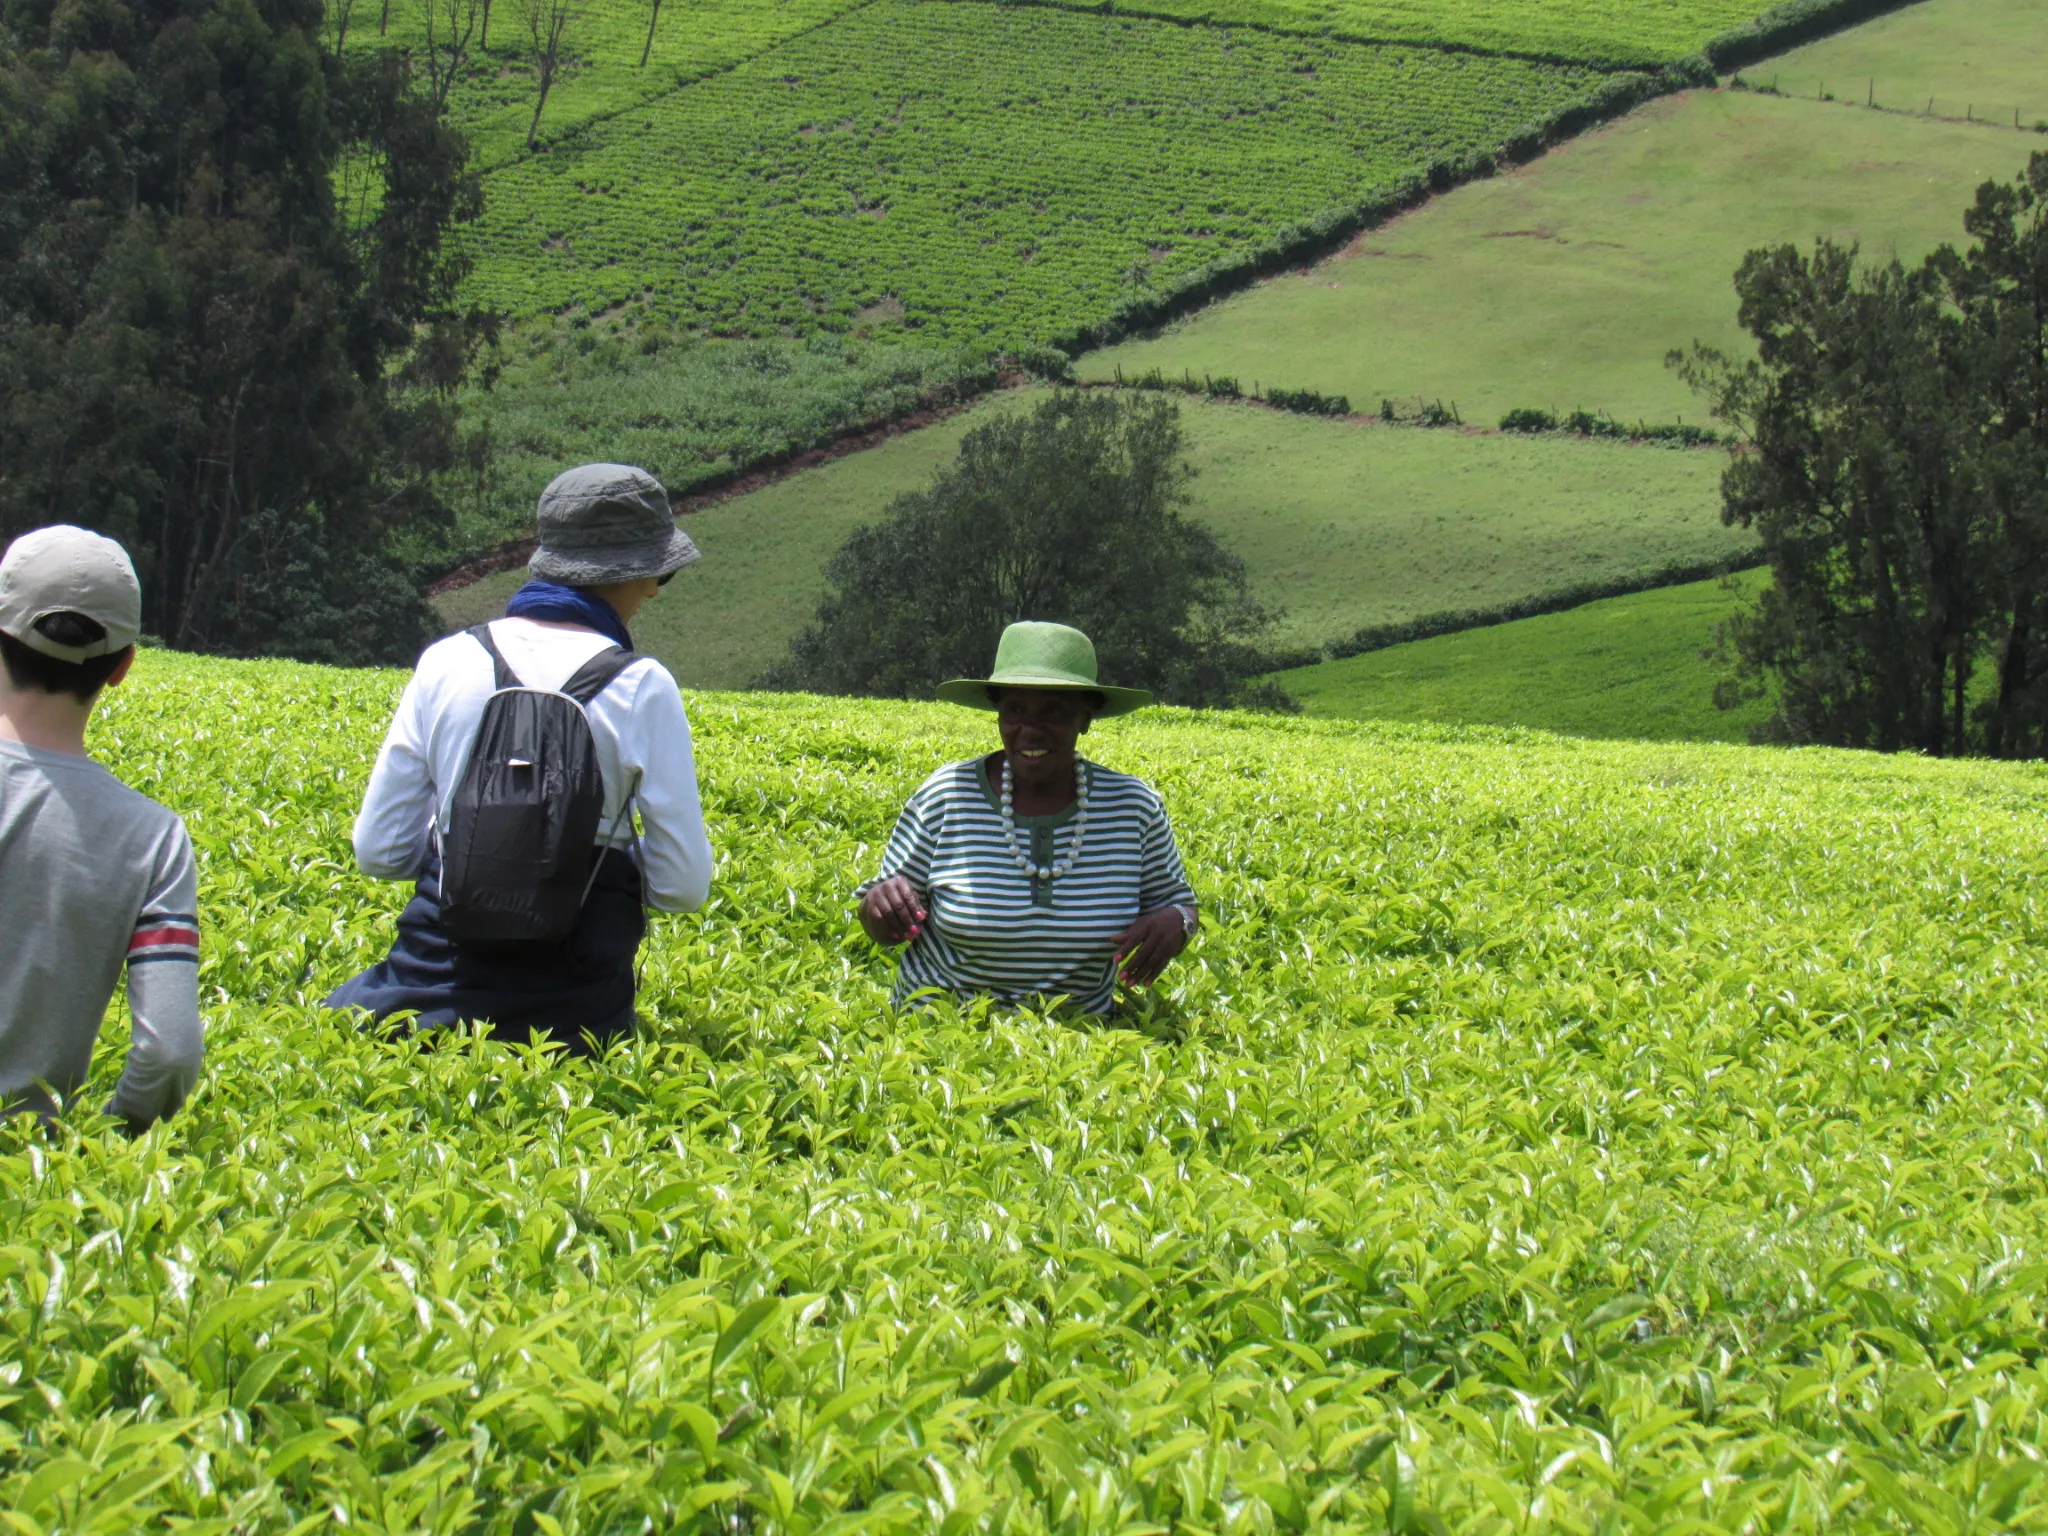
(662, 581)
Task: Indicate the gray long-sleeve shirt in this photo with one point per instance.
(93, 876)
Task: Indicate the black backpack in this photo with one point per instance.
(519, 853)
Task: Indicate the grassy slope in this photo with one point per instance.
(1343, 525)
(979, 170)
(1986, 56)
(1521, 1099)
(1623, 667)
(1562, 284)
(687, 413)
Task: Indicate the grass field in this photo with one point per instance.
(1341, 524)
(1562, 284)
(1542, 1136)
(1989, 57)
(969, 170)
(1623, 667)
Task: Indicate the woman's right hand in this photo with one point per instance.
(892, 912)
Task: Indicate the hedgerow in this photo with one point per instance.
(987, 172)
(1300, 402)
(1542, 1136)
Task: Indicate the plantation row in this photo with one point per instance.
(987, 172)
(1541, 1137)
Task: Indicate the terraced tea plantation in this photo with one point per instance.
(1002, 172)
(1542, 1137)
(1608, 32)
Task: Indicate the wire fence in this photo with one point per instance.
(1896, 99)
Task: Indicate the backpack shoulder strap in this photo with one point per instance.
(506, 677)
(596, 674)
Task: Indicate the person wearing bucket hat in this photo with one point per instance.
(1032, 872)
(608, 542)
(93, 875)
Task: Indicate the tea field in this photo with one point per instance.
(493, 94)
(1009, 173)
(1341, 524)
(1542, 1136)
(1613, 33)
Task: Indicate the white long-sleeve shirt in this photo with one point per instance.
(638, 724)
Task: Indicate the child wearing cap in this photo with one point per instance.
(93, 875)
(608, 542)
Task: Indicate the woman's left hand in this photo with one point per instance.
(1144, 949)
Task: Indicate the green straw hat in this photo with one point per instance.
(1043, 656)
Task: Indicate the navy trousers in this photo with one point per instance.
(580, 986)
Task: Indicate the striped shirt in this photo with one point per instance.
(993, 928)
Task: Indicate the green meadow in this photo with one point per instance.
(1541, 1137)
(1987, 58)
(1342, 525)
(1623, 667)
(1561, 284)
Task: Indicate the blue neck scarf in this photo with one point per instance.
(551, 600)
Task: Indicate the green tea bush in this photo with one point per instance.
(1541, 1136)
(976, 172)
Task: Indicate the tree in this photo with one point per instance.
(1070, 512)
(198, 353)
(450, 24)
(547, 22)
(1895, 473)
(653, 16)
(337, 15)
(2000, 288)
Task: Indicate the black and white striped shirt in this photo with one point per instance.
(992, 927)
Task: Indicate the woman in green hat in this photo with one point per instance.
(1031, 872)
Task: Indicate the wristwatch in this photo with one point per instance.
(1187, 920)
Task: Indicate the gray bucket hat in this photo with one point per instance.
(607, 522)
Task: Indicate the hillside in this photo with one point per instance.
(1558, 284)
(1341, 524)
(1981, 59)
(1562, 284)
(975, 171)
(1622, 667)
(1543, 1135)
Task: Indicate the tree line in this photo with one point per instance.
(230, 316)
(1896, 471)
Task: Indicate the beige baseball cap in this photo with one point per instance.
(63, 569)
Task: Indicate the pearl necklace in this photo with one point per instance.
(1059, 867)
